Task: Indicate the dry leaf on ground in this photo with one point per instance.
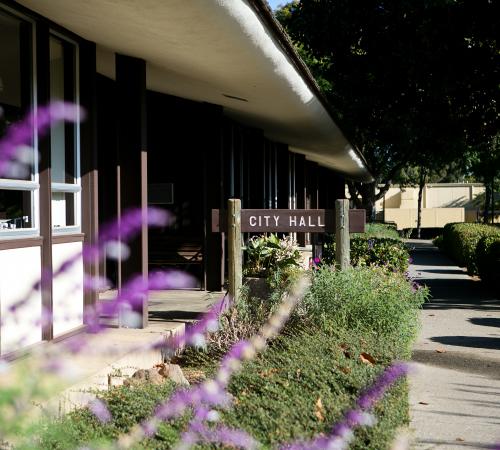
(366, 358)
(319, 410)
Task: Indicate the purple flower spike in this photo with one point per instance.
(131, 223)
(342, 433)
(100, 410)
(194, 334)
(377, 390)
(20, 135)
(199, 432)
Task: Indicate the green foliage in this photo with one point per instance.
(488, 259)
(304, 383)
(461, 239)
(388, 253)
(368, 301)
(127, 405)
(379, 230)
(267, 254)
(349, 327)
(374, 60)
(438, 241)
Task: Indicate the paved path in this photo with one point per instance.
(455, 393)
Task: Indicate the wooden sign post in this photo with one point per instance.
(342, 241)
(235, 221)
(234, 247)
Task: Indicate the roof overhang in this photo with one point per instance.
(227, 52)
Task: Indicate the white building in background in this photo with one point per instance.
(442, 203)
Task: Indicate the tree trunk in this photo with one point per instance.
(367, 192)
(492, 189)
(486, 207)
(421, 185)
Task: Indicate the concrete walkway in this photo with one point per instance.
(114, 354)
(455, 393)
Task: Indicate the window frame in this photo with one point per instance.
(32, 185)
(76, 187)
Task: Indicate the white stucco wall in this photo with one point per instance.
(19, 269)
(67, 289)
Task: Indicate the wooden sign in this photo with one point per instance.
(289, 220)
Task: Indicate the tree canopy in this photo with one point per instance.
(411, 82)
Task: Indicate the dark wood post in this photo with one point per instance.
(300, 187)
(213, 255)
(132, 162)
(90, 218)
(43, 86)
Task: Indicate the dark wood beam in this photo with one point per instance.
(132, 162)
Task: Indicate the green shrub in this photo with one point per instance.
(461, 239)
(369, 301)
(267, 254)
(488, 258)
(438, 241)
(391, 254)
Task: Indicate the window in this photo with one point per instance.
(64, 138)
(18, 192)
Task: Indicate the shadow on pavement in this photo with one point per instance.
(483, 365)
(455, 443)
(446, 271)
(449, 285)
(469, 341)
(174, 316)
(485, 321)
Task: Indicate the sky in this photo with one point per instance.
(275, 3)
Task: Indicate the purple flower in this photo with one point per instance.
(383, 382)
(342, 432)
(100, 410)
(199, 432)
(194, 334)
(20, 135)
(134, 291)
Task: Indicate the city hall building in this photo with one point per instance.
(188, 103)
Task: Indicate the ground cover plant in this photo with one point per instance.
(307, 378)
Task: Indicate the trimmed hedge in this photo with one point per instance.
(488, 258)
(461, 239)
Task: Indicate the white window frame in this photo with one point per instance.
(32, 185)
(69, 188)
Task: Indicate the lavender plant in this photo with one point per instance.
(204, 401)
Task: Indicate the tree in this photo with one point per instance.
(409, 81)
(484, 162)
(429, 172)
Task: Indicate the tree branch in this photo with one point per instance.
(353, 192)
